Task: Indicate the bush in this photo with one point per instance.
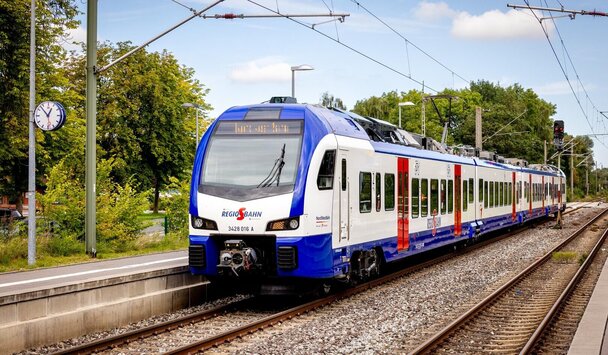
(177, 207)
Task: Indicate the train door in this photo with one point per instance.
(543, 196)
(403, 182)
(552, 192)
(457, 200)
(530, 194)
(513, 198)
(344, 201)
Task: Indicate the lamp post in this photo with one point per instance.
(407, 103)
(301, 67)
(197, 107)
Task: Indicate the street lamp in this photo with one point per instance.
(407, 103)
(301, 67)
(197, 107)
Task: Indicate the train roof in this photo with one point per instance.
(350, 124)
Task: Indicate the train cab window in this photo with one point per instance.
(325, 179)
(486, 196)
(365, 192)
(343, 174)
(471, 190)
(378, 192)
(434, 197)
(443, 197)
(424, 197)
(415, 197)
(465, 195)
(480, 190)
(450, 196)
(389, 192)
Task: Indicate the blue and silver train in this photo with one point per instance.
(301, 192)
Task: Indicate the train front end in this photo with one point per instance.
(247, 218)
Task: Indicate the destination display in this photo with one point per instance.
(259, 127)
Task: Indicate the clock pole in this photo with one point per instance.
(31, 185)
(91, 146)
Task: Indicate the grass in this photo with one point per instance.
(564, 257)
(151, 216)
(13, 252)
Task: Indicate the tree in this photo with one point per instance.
(328, 100)
(142, 124)
(53, 18)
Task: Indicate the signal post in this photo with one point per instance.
(558, 141)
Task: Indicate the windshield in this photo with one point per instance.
(252, 159)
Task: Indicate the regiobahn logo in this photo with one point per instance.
(241, 214)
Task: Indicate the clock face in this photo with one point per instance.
(49, 115)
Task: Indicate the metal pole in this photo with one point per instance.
(545, 156)
(478, 131)
(559, 201)
(91, 146)
(293, 85)
(31, 185)
(586, 177)
(572, 171)
(196, 108)
(399, 116)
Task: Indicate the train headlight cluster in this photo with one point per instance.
(203, 223)
(284, 224)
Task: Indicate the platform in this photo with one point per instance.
(592, 334)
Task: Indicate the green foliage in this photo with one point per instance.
(177, 207)
(53, 19)
(329, 100)
(564, 257)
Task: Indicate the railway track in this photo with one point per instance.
(226, 323)
(516, 316)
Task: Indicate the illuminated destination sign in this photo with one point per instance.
(259, 127)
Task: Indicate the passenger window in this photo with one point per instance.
(443, 197)
(501, 194)
(343, 174)
(434, 197)
(415, 197)
(510, 194)
(389, 192)
(378, 192)
(465, 188)
(424, 197)
(491, 194)
(471, 191)
(325, 180)
(365, 192)
(480, 190)
(487, 197)
(450, 196)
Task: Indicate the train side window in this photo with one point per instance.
(511, 193)
(443, 197)
(378, 192)
(325, 179)
(486, 196)
(389, 192)
(471, 190)
(506, 192)
(491, 194)
(424, 197)
(480, 192)
(465, 194)
(415, 197)
(434, 197)
(502, 193)
(365, 192)
(450, 196)
(343, 174)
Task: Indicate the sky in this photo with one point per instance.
(396, 45)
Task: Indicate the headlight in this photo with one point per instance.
(284, 224)
(203, 223)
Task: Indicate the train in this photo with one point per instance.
(299, 194)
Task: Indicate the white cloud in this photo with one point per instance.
(562, 88)
(262, 70)
(434, 11)
(496, 24)
(75, 37)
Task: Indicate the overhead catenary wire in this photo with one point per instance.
(563, 69)
(311, 27)
(358, 3)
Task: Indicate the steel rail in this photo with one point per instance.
(436, 339)
(527, 349)
(155, 329)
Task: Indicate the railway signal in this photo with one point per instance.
(558, 135)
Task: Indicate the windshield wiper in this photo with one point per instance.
(275, 172)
